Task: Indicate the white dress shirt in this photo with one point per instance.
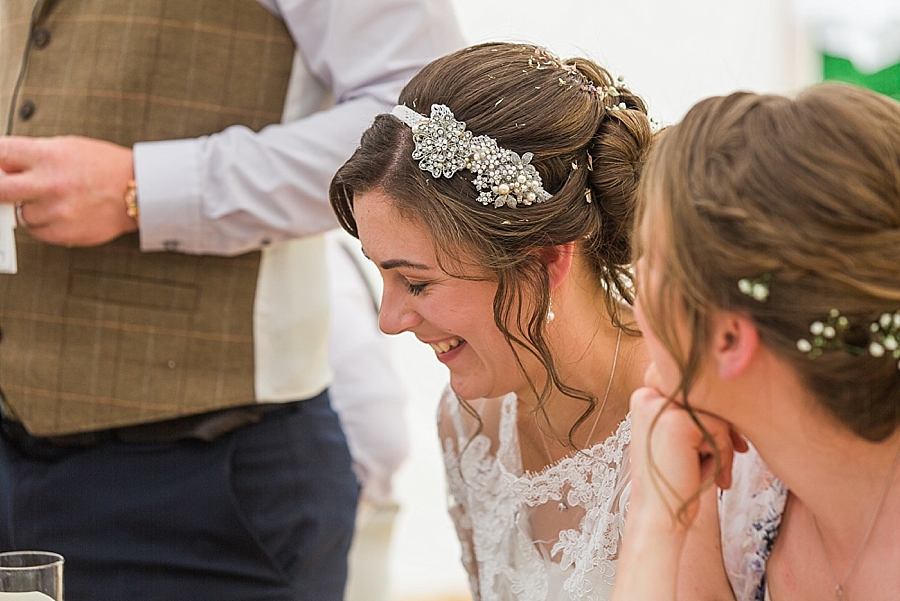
(239, 190)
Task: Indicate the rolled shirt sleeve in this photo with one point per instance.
(240, 190)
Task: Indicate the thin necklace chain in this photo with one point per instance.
(839, 586)
(612, 373)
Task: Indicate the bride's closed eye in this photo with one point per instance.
(415, 289)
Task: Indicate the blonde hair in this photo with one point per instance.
(804, 191)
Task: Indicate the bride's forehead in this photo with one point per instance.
(389, 235)
(377, 212)
(386, 234)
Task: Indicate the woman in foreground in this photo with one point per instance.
(769, 297)
(497, 201)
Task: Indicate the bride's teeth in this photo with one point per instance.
(443, 347)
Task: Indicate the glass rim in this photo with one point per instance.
(53, 559)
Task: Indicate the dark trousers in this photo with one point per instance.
(265, 512)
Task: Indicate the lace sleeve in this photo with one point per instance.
(453, 437)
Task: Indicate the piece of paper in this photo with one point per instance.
(8, 261)
(29, 596)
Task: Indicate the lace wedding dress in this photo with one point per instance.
(547, 536)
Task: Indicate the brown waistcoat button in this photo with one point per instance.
(40, 37)
(26, 110)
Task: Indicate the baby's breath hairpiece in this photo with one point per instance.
(757, 289)
(829, 334)
(443, 147)
(826, 335)
(884, 337)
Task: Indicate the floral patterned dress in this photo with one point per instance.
(749, 516)
(547, 536)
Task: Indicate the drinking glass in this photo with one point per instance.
(31, 576)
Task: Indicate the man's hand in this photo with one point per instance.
(70, 189)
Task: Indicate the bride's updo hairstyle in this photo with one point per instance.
(787, 211)
(589, 136)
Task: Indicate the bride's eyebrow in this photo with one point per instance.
(394, 263)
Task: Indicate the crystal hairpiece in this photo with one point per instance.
(444, 146)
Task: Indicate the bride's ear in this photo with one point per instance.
(735, 343)
(558, 260)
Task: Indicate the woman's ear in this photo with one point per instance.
(558, 260)
(735, 343)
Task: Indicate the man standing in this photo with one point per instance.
(165, 420)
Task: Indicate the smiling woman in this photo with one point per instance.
(446, 312)
(496, 201)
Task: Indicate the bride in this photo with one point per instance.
(497, 201)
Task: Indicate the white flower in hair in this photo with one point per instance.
(757, 289)
(443, 147)
(884, 334)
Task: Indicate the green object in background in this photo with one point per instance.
(886, 81)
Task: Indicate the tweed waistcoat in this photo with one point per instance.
(94, 338)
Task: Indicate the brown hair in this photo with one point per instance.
(805, 192)
(528, 102)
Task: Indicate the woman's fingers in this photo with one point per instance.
(671, 456)
(651, 377)
(739, 442)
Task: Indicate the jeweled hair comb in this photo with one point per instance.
(444, 146)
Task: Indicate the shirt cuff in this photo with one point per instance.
(169, 191)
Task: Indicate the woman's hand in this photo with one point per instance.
(679, 460)
(671, 461)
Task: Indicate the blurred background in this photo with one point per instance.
(673, 53)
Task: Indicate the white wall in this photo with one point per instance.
(672, 52)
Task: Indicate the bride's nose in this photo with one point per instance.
(397, 314)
